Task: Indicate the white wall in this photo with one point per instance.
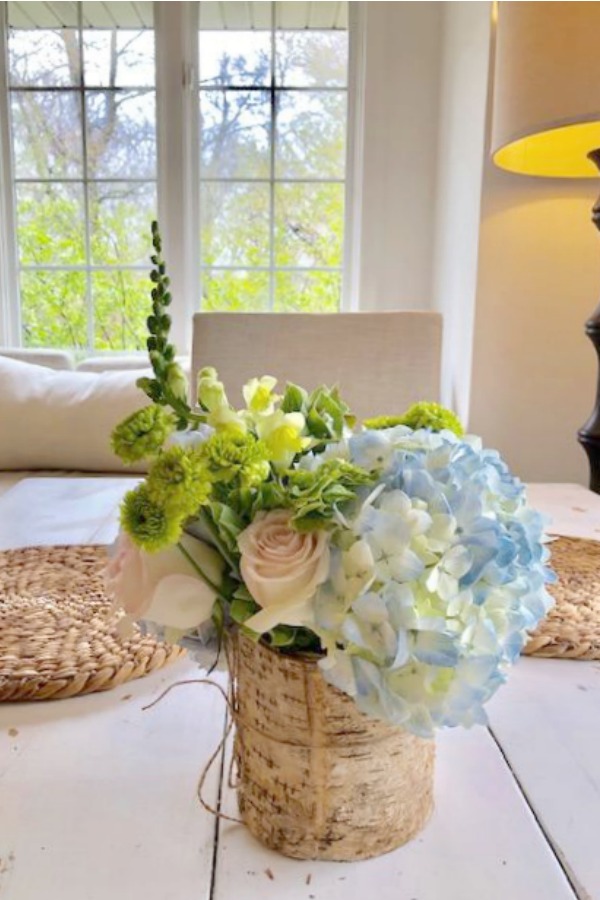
(461, 143)
(513, 263)
(534, 374)
(401, 104)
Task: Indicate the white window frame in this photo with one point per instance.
(177, 111)
(10, 305)
(177, 117)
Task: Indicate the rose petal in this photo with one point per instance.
(172, 561)
(180, 601)
(280, 566)
(281, 614)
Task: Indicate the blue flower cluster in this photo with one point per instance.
(436, 578)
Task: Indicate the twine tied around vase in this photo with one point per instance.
(229, 697)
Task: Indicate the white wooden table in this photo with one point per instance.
(97, 797)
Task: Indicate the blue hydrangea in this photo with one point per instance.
(437, 577)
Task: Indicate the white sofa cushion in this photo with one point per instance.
(110, 363)
(53, 359)
(63, 420)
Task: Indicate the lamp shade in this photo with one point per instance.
(546, 107)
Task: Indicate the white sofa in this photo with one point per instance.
(56, 416)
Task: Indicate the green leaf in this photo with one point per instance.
(241, 610)
(251, 635)
(317, 425)
(293, 639)
(269, 495)
(315, 495)
(294, 399)
(218, 617)
(327, 414)
(242, 593)
(227, 524)
(282, 636)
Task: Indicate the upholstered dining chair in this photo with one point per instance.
(383, 361)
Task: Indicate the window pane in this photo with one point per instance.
(84, 150)
(50, 224)
(309, 224)
(235, 291)
(120, 217)
(121, 307)
(309, 291)
(235, 58)
(121, 134)
(235, 134)
(53, 309)
(44, 58)
(234, 224)
(121, 58)
(311, 134)
(311, 58)
(273, 105)
(47, 138)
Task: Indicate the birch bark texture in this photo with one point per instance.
(317, 779)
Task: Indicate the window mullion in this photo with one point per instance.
(86, 192)
(177, 135)
(354, 157)
(273, 127)
(10, 316)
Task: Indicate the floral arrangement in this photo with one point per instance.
(399, 551)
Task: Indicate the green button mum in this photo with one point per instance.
(142, 434)
(229, 456)
(179, 479)
(151, 525)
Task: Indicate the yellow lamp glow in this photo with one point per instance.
(558, 153)
(546, 115)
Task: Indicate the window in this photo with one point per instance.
(82, 145)
(273, 99)
(82, 115)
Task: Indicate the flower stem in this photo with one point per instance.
(202, 574)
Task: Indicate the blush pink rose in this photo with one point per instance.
(282, 569)
(164, 587)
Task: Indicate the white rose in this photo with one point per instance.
(164, 587)
(282, 569)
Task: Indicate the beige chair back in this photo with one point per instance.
(382, 361)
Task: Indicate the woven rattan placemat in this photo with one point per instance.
(572, 628)
(58, 636)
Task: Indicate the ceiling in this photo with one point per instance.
(214, 16)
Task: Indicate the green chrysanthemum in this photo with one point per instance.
(421, 415)
(179, 479)
(152, 525)
(232, 455)
(433, 416)
(377, 423)
(142, 434)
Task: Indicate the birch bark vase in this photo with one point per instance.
(317, 779)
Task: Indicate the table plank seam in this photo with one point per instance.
(217, 828)
(578, 890)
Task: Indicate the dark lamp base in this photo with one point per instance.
(589, 435)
